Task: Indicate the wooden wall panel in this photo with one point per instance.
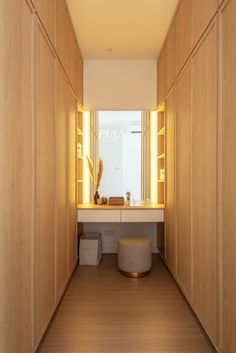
(161, 76)
(47, 13)
(166, 65)
(170, 56)
(227, 177)
(16, 174)
(204, 178)
(45, 184)
(72, 253)
(62, 33)
(73, 59)
(170, 230)
(202, 13)
(183, 178)
(80, 79)
(182, 33)
(61, 180)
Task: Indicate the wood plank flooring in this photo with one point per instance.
(104, 312)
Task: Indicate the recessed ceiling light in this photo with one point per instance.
(109, 50)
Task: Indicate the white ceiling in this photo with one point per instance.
(134, 29)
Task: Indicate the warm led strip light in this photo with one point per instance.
(86, 148)
(153, 156)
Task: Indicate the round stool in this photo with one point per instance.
(134, 256)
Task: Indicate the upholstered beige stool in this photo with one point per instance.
(134, 256)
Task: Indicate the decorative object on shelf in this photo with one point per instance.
(116, 200)
(104, 200)
(99, 201)
(162, 174)
(96, 197)
(96, 179)
(79, 150)
(128, 197)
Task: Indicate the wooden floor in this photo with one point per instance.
(104, 312)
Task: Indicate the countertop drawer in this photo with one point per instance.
(99, 216)
(142, 215)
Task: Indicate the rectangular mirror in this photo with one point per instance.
(120, 148)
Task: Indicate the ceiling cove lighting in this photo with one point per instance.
(86, 146)
(153, 156)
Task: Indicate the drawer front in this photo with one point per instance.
(142, 216)
(98, 216)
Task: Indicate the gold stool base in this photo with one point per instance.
(135, 274)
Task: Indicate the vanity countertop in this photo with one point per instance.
(142, 205)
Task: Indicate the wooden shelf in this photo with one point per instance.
(161, 153)
(80, 181)
(161, 132)
(79, 132)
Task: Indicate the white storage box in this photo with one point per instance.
(90, 249)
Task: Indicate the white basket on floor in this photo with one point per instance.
(90, 249)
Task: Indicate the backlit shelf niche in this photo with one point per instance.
(80, 156)
(161, 155)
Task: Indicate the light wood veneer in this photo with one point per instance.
(227, 176)
(204, 179)
(62, 33)
(16, 174)
(47, 13)
(44, 272)
(202, 13)
(183, 179)
(103, 311)
(182, 33)
(170, 226)
(61, 125)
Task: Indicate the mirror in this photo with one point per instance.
(120, 148)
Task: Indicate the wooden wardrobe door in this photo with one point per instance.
(170, 229)
(161, 76)
(61, 125)
(45, 183)
(72, 183)
(62, 33)
(227, 176)
(182, 34)
(16, 174)
(202, 13)
(183, 179)
(46, 10)
(204, 179)
(73, 59)
(170, 56)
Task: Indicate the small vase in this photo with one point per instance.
(96, 197)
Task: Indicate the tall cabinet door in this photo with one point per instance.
(204, 178)
(72, 258)
(16, 174)
(183, 178)
(45, 184)
(182, 33)
(61, 180)
(227, 177)
(47, 13)
(202, 13)
(170, 231)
